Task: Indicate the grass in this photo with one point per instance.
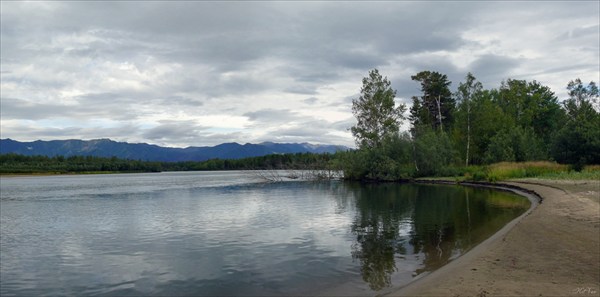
(512, 170)
(539, 169)
(588, 173)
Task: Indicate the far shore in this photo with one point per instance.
(553, 250)
(69, 173)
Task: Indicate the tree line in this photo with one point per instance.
(519, 121)
(20, 164)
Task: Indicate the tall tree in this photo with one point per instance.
(579, 94)
(530, 104)
(435, 106)
(376, 112)
(578, 141)
(487, 119)
(465, 94)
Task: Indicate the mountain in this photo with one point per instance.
(150, 152)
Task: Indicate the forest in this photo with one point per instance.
(457, 133)
(461, 133)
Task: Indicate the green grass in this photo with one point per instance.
(512, 170)
(540, 169)
(585, 174)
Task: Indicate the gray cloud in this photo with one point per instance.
(14, 108)
(301, 89)
(272, 115)
(579, 32)
(174, 131)
(33, 132)
(315, 131)
(156, 71)
(311, 100)
(488, 68)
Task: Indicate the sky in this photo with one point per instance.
(201, 73)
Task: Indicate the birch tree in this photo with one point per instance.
(465, 94)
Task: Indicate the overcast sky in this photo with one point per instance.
(203, 73)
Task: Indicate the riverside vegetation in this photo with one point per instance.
(517, 130)
(461, 134)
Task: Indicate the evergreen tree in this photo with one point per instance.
(435, 107)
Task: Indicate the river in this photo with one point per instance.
(232, 233)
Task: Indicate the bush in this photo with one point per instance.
(479, 176)
(392, 161)
(434, 154)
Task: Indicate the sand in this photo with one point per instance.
(553, 250)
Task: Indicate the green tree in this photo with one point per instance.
(434, 152)
(579, 93)
(391, 161)
(435, 107)
(515, 144)
(487, 118)
(531, 104)
(376, 113)
(578, 141)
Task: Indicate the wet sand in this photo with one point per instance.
(553, 250)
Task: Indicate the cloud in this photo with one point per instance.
(311, 100)
(313, 130)
(30, 131)
(488, 68)
(174, 131)
(272, 115)
(247, 71)
(579, 33)
(14, 108)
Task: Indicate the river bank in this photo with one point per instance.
(552, 251)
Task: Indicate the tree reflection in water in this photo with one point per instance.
(377, 229)
(430, 223)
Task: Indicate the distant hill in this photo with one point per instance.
(149, 152)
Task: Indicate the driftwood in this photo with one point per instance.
(273, 175)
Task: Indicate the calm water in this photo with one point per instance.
(227, 233)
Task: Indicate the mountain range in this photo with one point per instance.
(150, 152)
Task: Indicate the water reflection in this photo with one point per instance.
(431, 224)
(224, 234)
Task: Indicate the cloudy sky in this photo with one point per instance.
(203, 73)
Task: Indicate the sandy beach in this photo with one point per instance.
(554, 250)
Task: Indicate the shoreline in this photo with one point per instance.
(552, 249)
